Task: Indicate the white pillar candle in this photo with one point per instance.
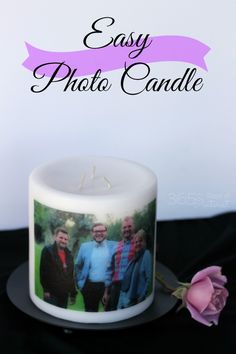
(75, 193)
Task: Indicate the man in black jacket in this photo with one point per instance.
(57, 271)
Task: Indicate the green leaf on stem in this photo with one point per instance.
(180, 292)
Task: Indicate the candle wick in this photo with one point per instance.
(82, 179)
(107, 181)
(93, 173)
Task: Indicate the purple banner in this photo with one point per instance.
(161, 49)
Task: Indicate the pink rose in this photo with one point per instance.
(206, 296)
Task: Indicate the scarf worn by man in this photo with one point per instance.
(132, 274)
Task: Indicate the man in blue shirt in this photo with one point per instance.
(91, 265)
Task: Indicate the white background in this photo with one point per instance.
(188, 139)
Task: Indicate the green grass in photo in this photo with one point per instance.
(38, 287)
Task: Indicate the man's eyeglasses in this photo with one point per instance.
(98, 231)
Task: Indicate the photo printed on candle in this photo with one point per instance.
(94, 263)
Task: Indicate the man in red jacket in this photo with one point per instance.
(124, 253)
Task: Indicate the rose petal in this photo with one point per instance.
(212, 318)
(217, 285)
(209, 271)
(211, 307)
(218, 279)
(224, 296)
(197, 316)
(225, 292)
(209, 312)
(200, 294)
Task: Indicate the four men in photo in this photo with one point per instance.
(106, 272)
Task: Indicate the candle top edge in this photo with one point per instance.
(92, 159)
(91, 176)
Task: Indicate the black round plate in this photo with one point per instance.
(18, 293)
